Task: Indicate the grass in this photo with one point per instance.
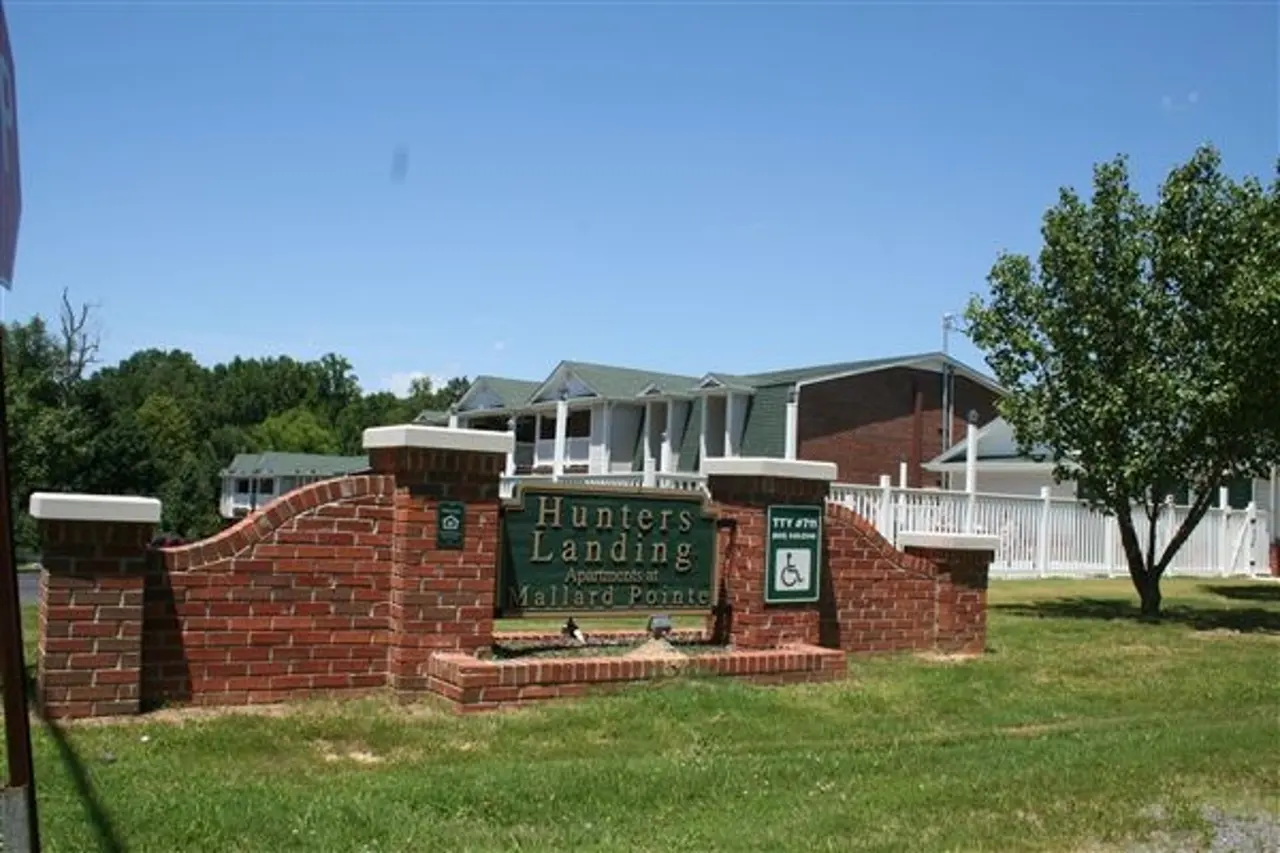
(1078, 722)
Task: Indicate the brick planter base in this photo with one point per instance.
(470, 684)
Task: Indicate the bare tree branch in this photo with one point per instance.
(79, 341)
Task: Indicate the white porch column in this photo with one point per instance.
(971, 455)
(607, 426)
(453, 420)
(646, 437)
(702, 430)
(511, 454)
(971, 471)
(668, 437)
(728, 423)
(793, 423)
(562, 425)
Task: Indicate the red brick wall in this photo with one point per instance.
(742, 503)
(883, 600)
(291, 602)
(962, 599)
(866, 423)
(91, 609)
(478, 685)
(339, 588)
(874, 598)
(440, 599)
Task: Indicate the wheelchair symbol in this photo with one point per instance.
(790, 575)
(793, 570)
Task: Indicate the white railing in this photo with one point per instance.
(577, 451)
(1061, 537)
(524, 453)
(622, 480)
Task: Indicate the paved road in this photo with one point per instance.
(28, 587)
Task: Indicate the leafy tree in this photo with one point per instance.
(187, 501)
(378, 409)
(298, 431)
(48, 430)
(1141, 347)
(160, 423)
(167, 431)
(336, 386)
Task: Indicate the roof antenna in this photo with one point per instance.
(949, 325)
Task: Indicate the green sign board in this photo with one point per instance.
(794, 549)
(603, 550)
(451, 524)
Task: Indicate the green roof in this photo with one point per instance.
(613, 382)
(432, 417)
(512, 392)
(802, 374)
(274, 464)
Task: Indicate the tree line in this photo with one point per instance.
(162, 424)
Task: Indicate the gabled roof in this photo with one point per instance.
(725, 381)
(996, 444)
(432, 417)
(837, 370)
(272, 464)
(610, 382)
(511, 393)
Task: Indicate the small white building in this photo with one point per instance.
(253, 480)
(1000, 469)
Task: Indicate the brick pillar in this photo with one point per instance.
(94, 558)
(442, 596)
(963, 562)
(1273, 559)
(743, 489)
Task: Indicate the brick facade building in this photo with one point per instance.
(624, 423)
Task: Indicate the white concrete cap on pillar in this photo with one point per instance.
(948, 541)
(439, 438)
(59, 506)
(762, 466)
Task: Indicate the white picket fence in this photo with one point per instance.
(1039, 536)
(1059, 537)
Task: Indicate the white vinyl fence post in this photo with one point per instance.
(1110, 526)
(1042, 533)
(885, 521)
(1251, 519)
(1225, 553)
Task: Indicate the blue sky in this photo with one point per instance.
(682, 187)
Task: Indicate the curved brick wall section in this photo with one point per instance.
(882, 599)
(293, 601)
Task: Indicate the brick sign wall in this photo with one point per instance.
(348, 586)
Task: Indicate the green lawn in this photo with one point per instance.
(1078, 723)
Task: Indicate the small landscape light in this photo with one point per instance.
(571, 629)
(659, 625)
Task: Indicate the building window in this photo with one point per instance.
(547, 427)
(266, 487)
(579, 424)
(524, 430)
(242, 487)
